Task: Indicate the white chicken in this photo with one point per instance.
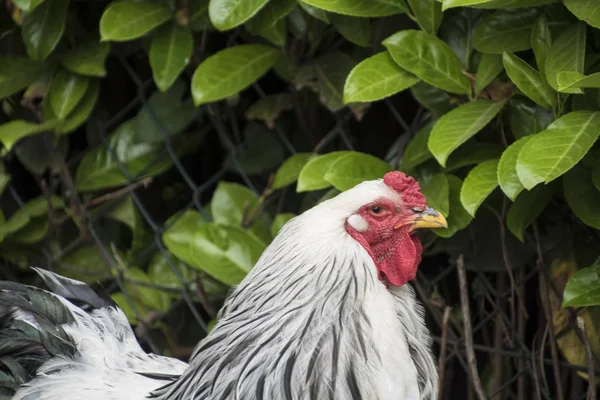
(326, 313)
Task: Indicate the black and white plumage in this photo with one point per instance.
(316, 318)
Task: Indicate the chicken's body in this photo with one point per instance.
(312, 320)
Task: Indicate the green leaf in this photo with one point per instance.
(459, 125)
(375, 78)
(566, 54)
(479, 183)
(432, 98)
(461, 3)
(126, 19)
(312, 176)
(585, 10)
(198, 13)
(360, 8)
(270, 14)
(136, 282)
(86, 264)
(331, 72)
(458, 218)
(27, 5)
(276, 33)
(4, 181)
(416, 151)
(227, 14)
(541, 41)
(437, 192)
(526, 118)
(269, 108)
(164, 111)
(512, 3)
(231, 203)
(428, 14)
(12, 131)
(551, 153)
(290, 170)
(472, 153)
(30, 211)
(99, 170)
(224, 252)
(250, 158)
(65, 92)
(567, 80)
(506, 30)
(582, 195)
(356, 30)
(43, 28)
(315, 12)
(230, 71)
(583, 287)
(17, 73)
(526, 208)
(488, 69)
(507, 169)
(161, 273)
(279, 221)
(457, 32)
(353, 168)
(82, 111)
(87, 59)
(170, 52)
(529, 81)
(429, 58)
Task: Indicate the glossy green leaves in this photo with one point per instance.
(66, 91)
(480, 182)
(459, 125)
(429, 58)
(125, 20)
(553, 152)
(230, 71)
(340, 169)
(360, 8)
(375, 78)
(583, 287)
(506, 30)
(227, 14)
(16, 73)
(170, 52)
(585, 10)
(566, 54)
(43, 28)
(529, 81)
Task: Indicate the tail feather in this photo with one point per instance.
(74, 290)
(31, 332)
(72, 342)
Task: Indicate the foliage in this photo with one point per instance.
(508, 125)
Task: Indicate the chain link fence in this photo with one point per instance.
(510, 344)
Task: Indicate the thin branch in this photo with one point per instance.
(118, 193)
(548, 311)
(591, 395)
(443, 349)
(468, 329)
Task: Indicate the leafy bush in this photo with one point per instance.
(102, 96)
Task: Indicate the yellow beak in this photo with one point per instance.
(429, 218)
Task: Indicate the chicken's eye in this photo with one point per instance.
(375, 209)
(416, 210)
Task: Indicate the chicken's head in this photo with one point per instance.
(385, 227)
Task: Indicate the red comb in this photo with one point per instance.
(407, 187)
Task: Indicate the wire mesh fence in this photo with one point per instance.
(511, 345)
